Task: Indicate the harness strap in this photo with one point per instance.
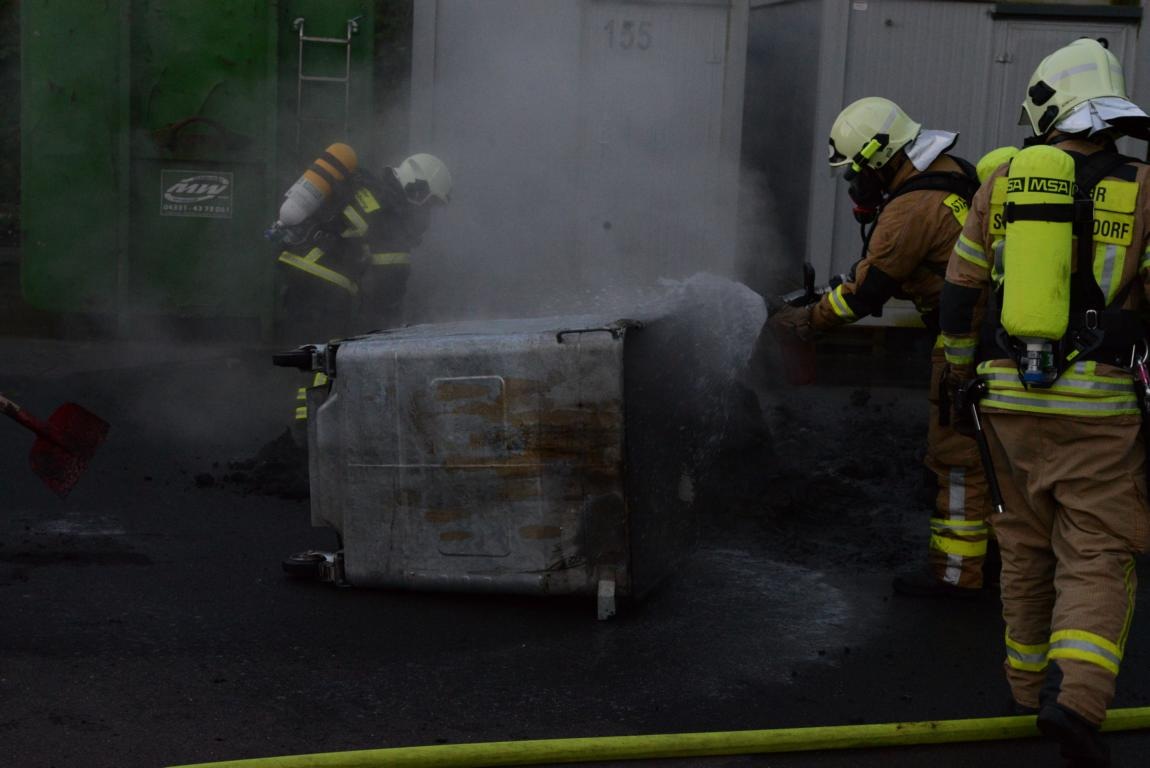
(335, 162)
(1084, 290)
(323, 173)
(1078, 212)
(310, 264)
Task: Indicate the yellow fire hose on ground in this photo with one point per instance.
(673, 745)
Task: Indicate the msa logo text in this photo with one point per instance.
(197, 189)
(1039, 184)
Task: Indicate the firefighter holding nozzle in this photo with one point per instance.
(914, 196)
(1055, 256)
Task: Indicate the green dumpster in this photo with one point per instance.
(157, 137)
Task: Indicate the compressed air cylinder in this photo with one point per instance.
(1036, 261)
(311, 190)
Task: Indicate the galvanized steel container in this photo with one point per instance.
(542, 456)
(487, 457)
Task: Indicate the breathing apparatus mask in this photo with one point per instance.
(867, 193)
(866, 187)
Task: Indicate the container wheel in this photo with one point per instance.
(304, 565)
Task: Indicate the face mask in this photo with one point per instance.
(866, 193)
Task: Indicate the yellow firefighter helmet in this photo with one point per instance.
(869, 132)
(1073, 74)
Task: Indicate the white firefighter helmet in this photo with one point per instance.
(1073, 74)
(423, 177)
(869, 132)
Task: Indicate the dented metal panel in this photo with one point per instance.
(477, 458)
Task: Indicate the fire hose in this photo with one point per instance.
(681, 745)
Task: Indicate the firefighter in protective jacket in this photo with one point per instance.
(347, 236)
(920, 194)
(1054, 255)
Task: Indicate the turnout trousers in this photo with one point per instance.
(1074, 491)
(959, 529)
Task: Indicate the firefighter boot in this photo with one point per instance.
(1079, 740)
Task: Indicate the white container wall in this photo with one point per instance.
(594, 145)
(959, 66)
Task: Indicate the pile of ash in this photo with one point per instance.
(278, 469)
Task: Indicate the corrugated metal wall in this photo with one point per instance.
(951, 65)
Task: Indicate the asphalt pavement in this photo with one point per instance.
(147, 621)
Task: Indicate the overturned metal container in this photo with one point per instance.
(545, 456)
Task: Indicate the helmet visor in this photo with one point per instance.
(834, 157)
(417, 192)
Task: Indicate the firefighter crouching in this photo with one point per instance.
(920, 195)
(347, 236)
(1055, 250)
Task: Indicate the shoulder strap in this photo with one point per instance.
(1088, 171)
(964, 183)
(969, 169)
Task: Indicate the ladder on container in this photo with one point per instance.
(302, 77)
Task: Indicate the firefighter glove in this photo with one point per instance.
(789, 323)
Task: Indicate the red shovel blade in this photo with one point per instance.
(61, 461)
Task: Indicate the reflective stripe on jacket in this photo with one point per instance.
(310, 264)
(1080, 391)
(395, 258)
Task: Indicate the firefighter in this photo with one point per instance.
(1055, 251)
(347, 236)
(904, 176)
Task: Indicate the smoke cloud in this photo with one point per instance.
(585, 147)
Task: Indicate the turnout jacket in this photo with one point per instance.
(371, 224)
(906, 256)
(1088, 388)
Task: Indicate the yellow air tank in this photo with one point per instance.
(311, 190)
(1036, 261)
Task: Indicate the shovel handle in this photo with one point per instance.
(28, 421)
(10, 409)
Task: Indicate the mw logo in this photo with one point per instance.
(197, 189)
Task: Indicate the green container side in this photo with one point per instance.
(73, 173)
(321, 104)
(129, 104)
(203, 112)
